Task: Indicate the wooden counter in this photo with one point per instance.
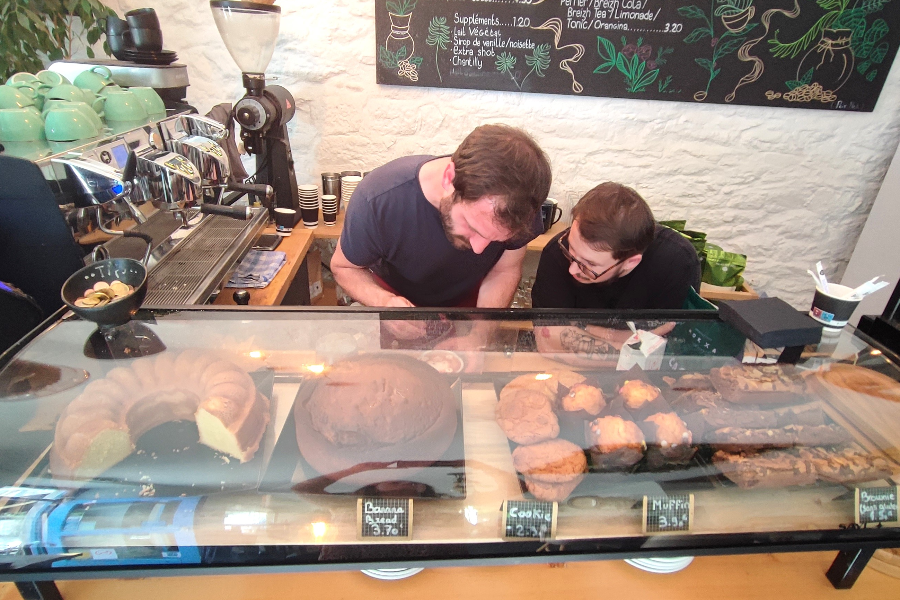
(798, 576)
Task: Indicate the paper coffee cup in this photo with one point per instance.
(285, 219)
(834, 308)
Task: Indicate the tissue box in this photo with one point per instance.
(643, 349)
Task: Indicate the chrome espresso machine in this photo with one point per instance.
(170, 181)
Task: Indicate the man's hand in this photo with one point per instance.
(617, 337)
(403, 330)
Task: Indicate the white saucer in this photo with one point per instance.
(392, 574)
(660, 565)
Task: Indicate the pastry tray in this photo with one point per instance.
(169, 460)
(633, 482)
(444, 478)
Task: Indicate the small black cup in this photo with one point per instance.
(310, 216)
(148, 40)
(550, 213)
(142, 18)
(284, 220)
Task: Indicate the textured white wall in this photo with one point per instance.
(787, 187)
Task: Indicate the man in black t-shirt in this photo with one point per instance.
(615, 256)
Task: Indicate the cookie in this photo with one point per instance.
(553, 461)
(526, 416)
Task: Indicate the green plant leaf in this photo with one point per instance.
(871, 75)
(878, 30)
(793, 84)
(870, 6)
(648, 78)
(697, 35)
(539, 59)
(782, 50)
(416, 60)
(392, 7)
(438, 33)
(727, 47)
(831, 4)
(621, 64)
(880, 52)
(691, 12)
(705, 63)
(505, 62)
(605, 67)
(714, 73)
(807, 77)
(605, 44)
(863, 66)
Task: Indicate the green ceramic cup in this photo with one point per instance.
(81, 107)
(51, 78)
(11, 97)
(66, 124)
(153, 104)
(23, 78)
(94, 79)
(66, 91)
(21, 125)
(124, 106)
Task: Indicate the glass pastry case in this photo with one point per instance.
(206, 438)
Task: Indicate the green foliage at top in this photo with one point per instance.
(400, 7)
(728, 8)
(32, 31)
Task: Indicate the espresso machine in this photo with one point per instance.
(250, 31)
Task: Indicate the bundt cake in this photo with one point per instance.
(99, 427)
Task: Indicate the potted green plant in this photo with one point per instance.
(35, 31)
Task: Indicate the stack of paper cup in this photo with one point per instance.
(329, 208)
(348, 185)
(309, 204)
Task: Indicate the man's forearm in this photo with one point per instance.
(360, 284)
(497, 289)
(574, 346)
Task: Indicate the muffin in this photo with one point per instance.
(526, 417)
(551, 469)
(668, 439)
(547, 383)
(615, 442)
(584, 397)
(637, 394)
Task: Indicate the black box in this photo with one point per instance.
(771, 322)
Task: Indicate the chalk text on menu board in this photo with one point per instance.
(825, 54)
(384, 518)
(529, 519)
(877, 505)
(665, 514)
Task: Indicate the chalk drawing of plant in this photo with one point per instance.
(400, 7)
(399, 49)
(722, 46)
(439, 37)
(505, 63)
(539, 61)
(634, 61)
(839, 16)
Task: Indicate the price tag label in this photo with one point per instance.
(668, 514)
(384, 518)
(529, 519)
(877, 505)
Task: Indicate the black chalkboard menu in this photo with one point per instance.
(824, 54)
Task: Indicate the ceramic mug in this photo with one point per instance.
(95, 79)
(124, 106)
(81, 107)
(12, 97)
(23, 78)
(21, 125)
(110, 89)
(65, 124)
(51, 78)
(65, 91)
(153, 104)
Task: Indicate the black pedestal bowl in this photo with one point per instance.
(117, 312)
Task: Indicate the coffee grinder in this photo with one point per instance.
(250, 30)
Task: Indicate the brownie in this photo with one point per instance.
(847, 465)
(771, 469)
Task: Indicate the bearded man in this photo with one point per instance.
(445, 231)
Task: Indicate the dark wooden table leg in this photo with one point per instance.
(791, 355)
(847, 566)
(38, 590)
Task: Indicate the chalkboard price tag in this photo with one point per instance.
(877, 505)
(668, 514)
(384, 518)
(529, 519)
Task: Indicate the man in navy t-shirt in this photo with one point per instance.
(445, 231)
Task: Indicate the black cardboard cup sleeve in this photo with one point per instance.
(285, 219)
(835, 308)
(310, 216)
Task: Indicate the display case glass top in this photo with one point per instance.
(264, 438)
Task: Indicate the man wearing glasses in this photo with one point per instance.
(615, 256)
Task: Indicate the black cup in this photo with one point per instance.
(310, 216)
(830, 310)
(142, 18)
(329, 217)
(148, 40)
(285, 219)
(550, 213)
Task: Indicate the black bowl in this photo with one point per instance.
(119, 312)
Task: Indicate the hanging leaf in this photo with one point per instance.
(863, 67)
(438, 33)
(880, 52)
(697, 35)
(539, 60)
(692, 12)
(872, 74)
(505, 63)
(705, 63)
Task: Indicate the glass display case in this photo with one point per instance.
(326, 438)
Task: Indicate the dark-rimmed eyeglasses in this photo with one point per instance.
(585, 270)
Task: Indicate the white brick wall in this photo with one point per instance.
(787, 187)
